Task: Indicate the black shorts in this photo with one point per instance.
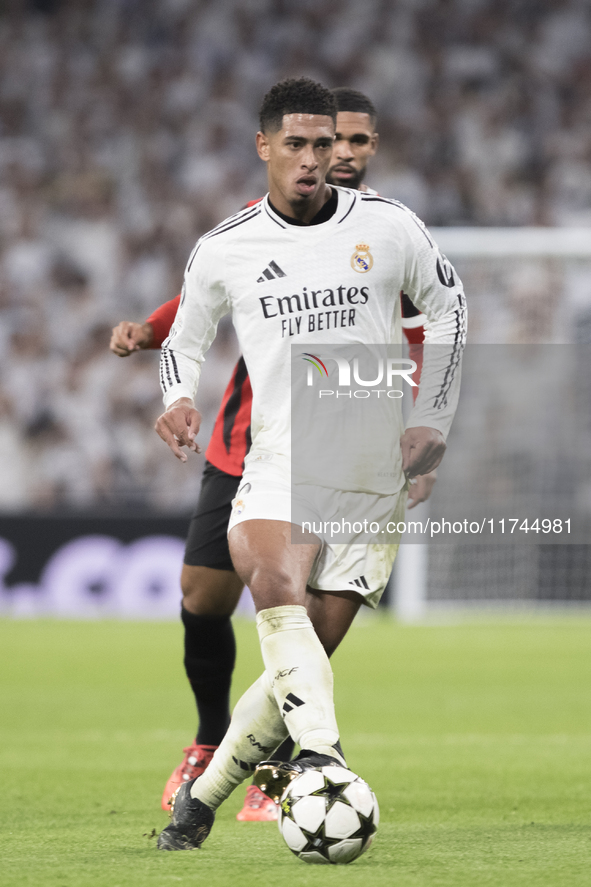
(207, 540)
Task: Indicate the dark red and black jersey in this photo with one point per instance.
(230, 441)
(162, 319)
(413, 325)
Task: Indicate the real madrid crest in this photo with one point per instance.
(239, 506)
(362, 259)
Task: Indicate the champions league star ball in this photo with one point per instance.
(328, 815)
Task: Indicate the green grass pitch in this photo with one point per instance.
(475, 737)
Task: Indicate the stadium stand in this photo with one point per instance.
(127, 130)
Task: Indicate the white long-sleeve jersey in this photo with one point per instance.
(337, 282)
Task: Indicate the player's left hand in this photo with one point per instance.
(420, 489)
(422, 450)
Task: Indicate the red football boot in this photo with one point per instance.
(258, 807)
(196, 760)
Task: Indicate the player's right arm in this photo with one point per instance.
(203, 303)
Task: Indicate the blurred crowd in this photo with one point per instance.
(127, 130)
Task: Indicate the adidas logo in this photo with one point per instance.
(295, 701)
(244, 765)
(271, 272)
(360, 583)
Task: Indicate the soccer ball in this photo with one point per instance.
(328, 815)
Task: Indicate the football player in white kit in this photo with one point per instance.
(314, 238)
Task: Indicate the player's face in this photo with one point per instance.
(355, 142)
(297, 158)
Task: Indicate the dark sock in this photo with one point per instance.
(285, 750)
(210, 654)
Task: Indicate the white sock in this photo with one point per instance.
(301, 677)
(255, 731)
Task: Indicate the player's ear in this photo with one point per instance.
(262, 143)
(374, 142)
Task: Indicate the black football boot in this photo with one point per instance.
(191, 821)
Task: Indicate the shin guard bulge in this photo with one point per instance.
(255, 731)
(301, 677)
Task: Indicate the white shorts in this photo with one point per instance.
(265, 493)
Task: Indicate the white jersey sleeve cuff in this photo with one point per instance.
(179, 376)
(175, 394)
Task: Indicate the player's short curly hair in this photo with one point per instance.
(303, 96)
(348, 99)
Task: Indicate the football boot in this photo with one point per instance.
(191, 821)
(196, 760)
(273, 777)
(258, 807)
